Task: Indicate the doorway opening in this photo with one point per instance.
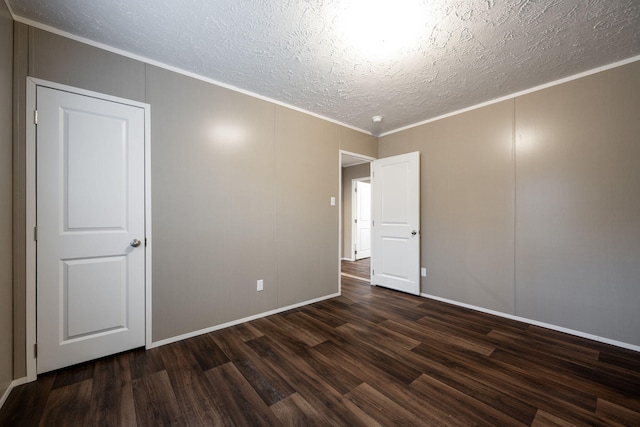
(355, 241)
(395, 210)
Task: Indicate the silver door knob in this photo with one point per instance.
(414, 232)
(135, 243)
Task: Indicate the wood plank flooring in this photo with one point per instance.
(370, 357)
(357, 269)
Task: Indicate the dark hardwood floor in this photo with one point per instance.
(370, 357)
(357, 269)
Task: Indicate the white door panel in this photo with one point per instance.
(96, 171)
(395, 260)
(95, 293)
(394, 205)
(90, 206)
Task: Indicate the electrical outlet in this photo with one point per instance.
(423, 272)
(260, 285)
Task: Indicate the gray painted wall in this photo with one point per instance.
(578, 204)
(241, 188)
(532, 206)
(6, 199)
(64, 61)
(358, 142)
(213, 181)
(308, 167)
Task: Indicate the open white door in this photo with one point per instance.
(90, 228)
(362, 226)
(395, 259)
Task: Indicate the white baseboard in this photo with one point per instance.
(356, 277)
(12, 385)
(237, 322)
(537, 323)
(349, 259)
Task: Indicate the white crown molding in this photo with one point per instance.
(517, 94)
(178, 70)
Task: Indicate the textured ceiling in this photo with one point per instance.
(299, 52)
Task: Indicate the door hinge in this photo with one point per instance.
(35, 117)
(35, 233)
(373, 272)
(356, 252)
(35, 349)
(145, 242)
(355, 220)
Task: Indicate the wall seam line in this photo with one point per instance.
(515, 205)
(276, 190)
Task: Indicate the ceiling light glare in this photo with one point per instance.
(378, 28)
(227, 135)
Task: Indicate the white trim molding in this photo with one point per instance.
(351, 276)
(238, 321)
(12, 385)
(30, 245)
(537, 323)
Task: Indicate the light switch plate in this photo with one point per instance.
(423, 272)
(333, 201)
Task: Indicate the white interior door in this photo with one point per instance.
(90, 228)
(363, 220)
(395, 259)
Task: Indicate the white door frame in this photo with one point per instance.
(32, 84)
(354, 214)
(369, 159)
